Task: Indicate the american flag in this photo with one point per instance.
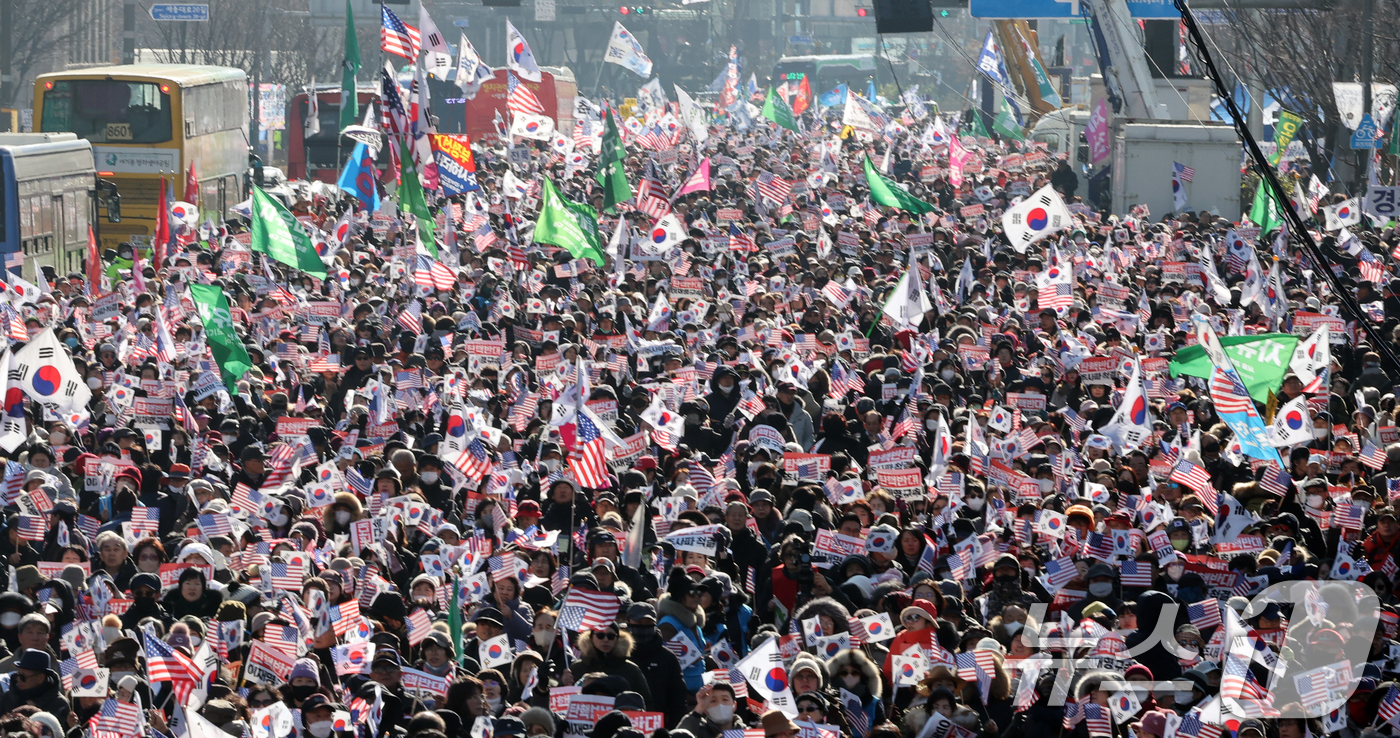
(165, 664)
(1098, 719)
(397, 38)
(1275, 480)
(559, 580)
(418, 624)
(32, 527)
(591, 469)
(843, 382)
(432, 274)
(739, 240)
(286, 577)
(281, 637)
(393, 118)
(357, 482)
(1191, 475)
(855, 716)
(214, 524)
(411, 318)
(474, 462)
(1192, 727)
(772, 188)
(1229, 394)
(1350, 516)
(586, 609)
(958, 567)
(117, 718)
(651, 199)
(519, 99)
(1370, 266)
(1372, 457)
(1136, 574)
(1055, 297)
(1312, 690)
(1235, 679)
(1390, 706)
(1183, 172)
(836, 293)
(1204, 614)
(1061, 571)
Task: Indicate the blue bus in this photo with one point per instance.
(48, 190)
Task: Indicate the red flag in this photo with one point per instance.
(94, 266)
(191, 186)
(804, 97)
(161, 238)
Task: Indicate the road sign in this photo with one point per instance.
(800, 40)
(1037, 9)
(196, 12)
(462, 23)
(1367, 135)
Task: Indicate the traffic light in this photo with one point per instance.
(634, 10)
(903, 16)
(862, 12)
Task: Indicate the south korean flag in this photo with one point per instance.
(1040, 215)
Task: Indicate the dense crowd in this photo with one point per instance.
(845, 457)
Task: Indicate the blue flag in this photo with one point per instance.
(358, 177)
(834, 97)
(870, 90)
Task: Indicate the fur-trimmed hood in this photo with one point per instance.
(668, 605)
(828, 607)
(344, 500)
(620, 652)
(861, 662)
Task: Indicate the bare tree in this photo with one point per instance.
(38, 29)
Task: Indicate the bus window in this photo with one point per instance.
(109, 111)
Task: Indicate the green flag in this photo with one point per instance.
(228, 350)
(611, 175)
(411, 200)
(886, 192)
(277, 233)
(979, 126)
(1265, 212)
(1285, 130)
(1261, 361)
(776, 109)
(1005, 122)
(454, 621)
(568, 225)
(349, 101)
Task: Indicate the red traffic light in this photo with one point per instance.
(862, 12)
(624, 10)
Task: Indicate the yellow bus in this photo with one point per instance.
(147, 123)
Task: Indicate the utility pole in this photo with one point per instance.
(128, 32)
(1368, 61)
(256, 123)
(6, 51)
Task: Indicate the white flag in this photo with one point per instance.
(439, 54)
(693, 115)
(519, 58)
(1292, 424)
(1312, 361)
(525, 125)
(470, 71)
(313, 113)
(1131, 423)
(625, 51)
(513, 186)
(763, 670)
(1040, 215)
(908, 301)
(44, 370)
(14, 429)
(1344, 213)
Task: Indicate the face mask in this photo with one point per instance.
(1013, 627)
(931, 424)
(428, 477)
(1179, 544)
(280, 519)
(1315, 502)
(57, 439)
(115, 677)
(342, 517)
(320, 729)
(1183, 698)
(543, 637)
(94, 383)
(721, 714)
(1101, 589)
(1045, 485)
(975, 504)
(301, 692)
(947, 374)
(851, 682)
(1319, 433)
(642, 633)
(9, 619)
(550, 465)
(1174, 571)
(729, 390)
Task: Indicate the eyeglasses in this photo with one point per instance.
(605, 636)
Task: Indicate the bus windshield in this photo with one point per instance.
(109, 111)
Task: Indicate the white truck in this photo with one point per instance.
(1143, 155)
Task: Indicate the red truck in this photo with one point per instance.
(556, 91)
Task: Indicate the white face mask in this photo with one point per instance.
(1320, 432)
(721, 714)
(342, 517)
(428, 477)
(543, 637)
(1315, 502)
(320, 728)
(1045, 485)
(550, 465)
(975, 504)
(931, 424)
(1013, 627)
(279, 520)
(9, 619)
(94, 383)
(948, 374)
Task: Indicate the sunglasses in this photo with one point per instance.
(260, 703)
(605, 636)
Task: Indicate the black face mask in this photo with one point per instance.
(301, 692)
